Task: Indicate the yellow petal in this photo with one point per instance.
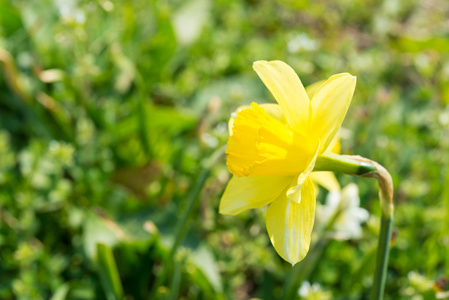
(288, 91)
(233, 116)
(273, 110)
(316, 188)
(329, 106)
(244, 193)
(290, 224)
(261, 145)
(294, 193)
(326, 180)
(335, 145)
(311, 89)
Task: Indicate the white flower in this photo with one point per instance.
(344, 206)
(313, 291)
(301, 41)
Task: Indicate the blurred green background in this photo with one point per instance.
(113, 116)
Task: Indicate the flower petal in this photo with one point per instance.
(358, 214)
(287, 89)
(326, 180)
(234, 116)
(290, 224)
(244, 193)
(294, 193)
(329, 106)
(350, 196)
(262, 146)
(335, 145)
(311, 89)
(273, 110)
(333, 201)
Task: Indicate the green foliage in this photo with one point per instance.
(110, 112)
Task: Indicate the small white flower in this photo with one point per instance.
(313, 291)
(300, 42)
(306, 288)
(69, 11)
(349, 215)
(209, 140)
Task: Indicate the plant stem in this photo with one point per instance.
(182, 227)
(177, 272)
(383, 251)
(342, 164)
(386, 202)
(181, 230)
(360, 166)
(109, 275)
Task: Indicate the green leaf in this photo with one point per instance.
(61, 292)
(9, 18)
(96, 231)
(109, 275)
(440, 44)
(204, 260)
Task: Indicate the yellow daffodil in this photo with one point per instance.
(272, 150)
(324, 178)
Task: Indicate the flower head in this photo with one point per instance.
(272, 150)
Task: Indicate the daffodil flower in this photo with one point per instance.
(324, 178)
(273, 149)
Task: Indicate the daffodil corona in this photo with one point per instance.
(272, 150)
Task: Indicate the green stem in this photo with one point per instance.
(177, 272)
(383, 251)
(181, 230)
(357, 165)
(182, 226)
(141, 114)
(109, 275)
(342, 164)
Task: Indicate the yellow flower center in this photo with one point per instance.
(261, 145)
